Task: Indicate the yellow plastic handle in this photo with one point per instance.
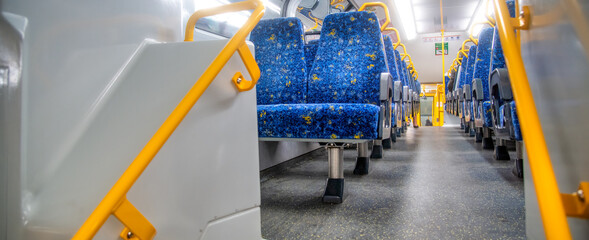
(385, 8)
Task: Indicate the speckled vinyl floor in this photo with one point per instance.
(435, 183)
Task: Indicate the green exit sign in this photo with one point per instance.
(439, 48)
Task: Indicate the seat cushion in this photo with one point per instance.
(515, 121)
(280, 55)
(487, 114)
(318, 121)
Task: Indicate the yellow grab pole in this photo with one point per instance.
(116, 196)
(549, 200)
(443, 52)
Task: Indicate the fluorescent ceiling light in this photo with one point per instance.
(405, 11)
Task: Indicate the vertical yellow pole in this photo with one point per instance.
(443, 63)
(549, 199)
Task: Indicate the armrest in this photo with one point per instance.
(467, 92)
(405, 93)
(477, 89)
(397, 91)
(386, 90)
(459, 93)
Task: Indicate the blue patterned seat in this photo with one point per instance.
(318, 121)
(280, 55)
(482, 68)
(458, 92)
(512, 131)
(343, 87)
(394, 71)
(467, 86)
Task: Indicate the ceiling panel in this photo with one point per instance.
(457, 15)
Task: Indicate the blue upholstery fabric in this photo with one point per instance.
(447, 84)
(462, 73)
(482, 66)
(515, 121)
(487, 114)
(472, 57)
(310, 51)
(418, 86)
(393, 119)
(349, 60)
(501, 114)
(405, 79)
(400, 68)
(391, 59)
(280, 55)
(498, 60)
(321, 121)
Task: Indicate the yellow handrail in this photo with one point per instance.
(316, 23)
(386, 23)
(397, 34)
(549, 200)
(386, 11)
(115, 201)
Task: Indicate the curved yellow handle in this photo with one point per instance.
(396, 34)
(385, 8)
(316, 23)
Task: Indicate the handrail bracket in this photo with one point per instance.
(523, 20)
(136, 225)
(577, 204)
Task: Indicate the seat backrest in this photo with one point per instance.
(472, 57)
(310, 51)
(281, 57)
(462, 71)
(498, 60)
(482, 65)
(391, 59)
(400, 68)
(349, 60)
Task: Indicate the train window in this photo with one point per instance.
(227, 24)
(312, 12)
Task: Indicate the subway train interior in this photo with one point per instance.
(294, 119)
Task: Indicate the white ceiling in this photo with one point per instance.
(457, 15)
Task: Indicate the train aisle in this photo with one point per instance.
(434, 184)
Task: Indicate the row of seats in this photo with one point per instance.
(479, 93)
(338, 90)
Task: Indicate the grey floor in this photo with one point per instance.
(435, 183)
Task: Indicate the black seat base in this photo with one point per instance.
(362, 166)
(387, 143)
(518, 168)
(488, 143)
(478, 137)
(393, 135)
(501, 153)
(376, 151)
(334, 191)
